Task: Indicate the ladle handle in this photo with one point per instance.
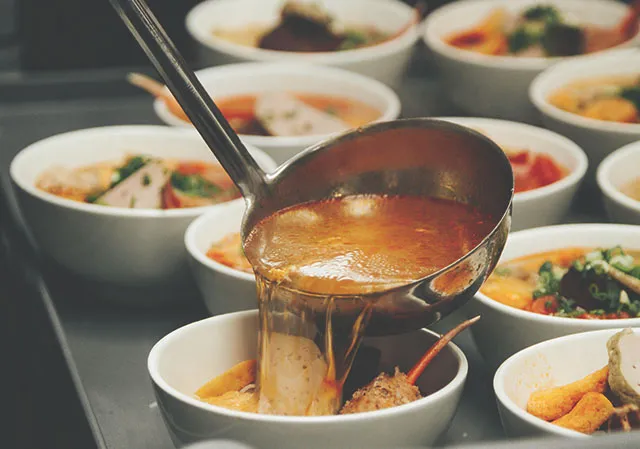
(191, 95)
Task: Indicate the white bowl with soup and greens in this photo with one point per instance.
(373, 38)
(284, 108)
(112, 203)
(618, 177)
(558, 280)
(594, 101)
(489, 51)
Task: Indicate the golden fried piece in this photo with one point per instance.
(592, 411)
(383, 392)
(233, 380)
(243, 401)
(612, 109)
(553, 403)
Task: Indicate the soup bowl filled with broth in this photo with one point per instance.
(592, 102)
(222, 273)
(375, 39)
(284, 108)
(548, 169)
(558, 280)
(619, 179)
(491, 50)
(111, 204)
(184, 363)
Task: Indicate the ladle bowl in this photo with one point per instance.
(404, 157)
(417, 157)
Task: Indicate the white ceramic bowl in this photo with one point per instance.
(618, 169)
(130, 247)
(253, 78)
(497, 86)
(548, 364)
(188, 357)
(549, 204)
(598, 138)
(223, 288)
(505, 330)
(385, 62)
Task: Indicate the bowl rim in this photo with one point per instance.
(577, 153)
(539, 233)
(122, 130)
(503, 398)
(603, 176)
(374, 88)
(437, 44)
(544, 84)
(200, 256)
(455, 383)
(404, 40)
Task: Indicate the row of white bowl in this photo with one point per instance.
(485, 86)
(132, 247)
(521, 342)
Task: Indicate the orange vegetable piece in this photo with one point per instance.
(612, 109)
(235, 379)
(593, 410)
(545, 305)
(553, 403)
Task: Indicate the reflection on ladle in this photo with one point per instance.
(400, 159)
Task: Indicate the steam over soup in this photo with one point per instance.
(540, 31)
(313, 264)
(612, 98)
(142, 182)
(572, 282)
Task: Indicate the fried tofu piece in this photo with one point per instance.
(553, 403)
(593, 410)
(383, 392)
(243, 401)
(233, 380)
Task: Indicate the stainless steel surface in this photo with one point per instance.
(419, 157)
(429, 158)
(107, 345)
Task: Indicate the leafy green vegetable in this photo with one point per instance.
(548, 282)
(542, 13)
(194, 185)
(560, 39)
(134, 164)
(521, 39)
(632, 94)
(353, 39)
(146, 180)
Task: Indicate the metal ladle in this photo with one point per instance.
(403, 157)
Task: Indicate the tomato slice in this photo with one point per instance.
(545, 170)
(520, 157)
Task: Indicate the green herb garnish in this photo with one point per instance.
(542, 13)
(194, 185)
(146, 180)
(548, 282)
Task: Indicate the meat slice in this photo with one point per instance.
(141, 190)
(384, 392)
(282, 114)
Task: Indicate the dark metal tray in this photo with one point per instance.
(105, 346)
